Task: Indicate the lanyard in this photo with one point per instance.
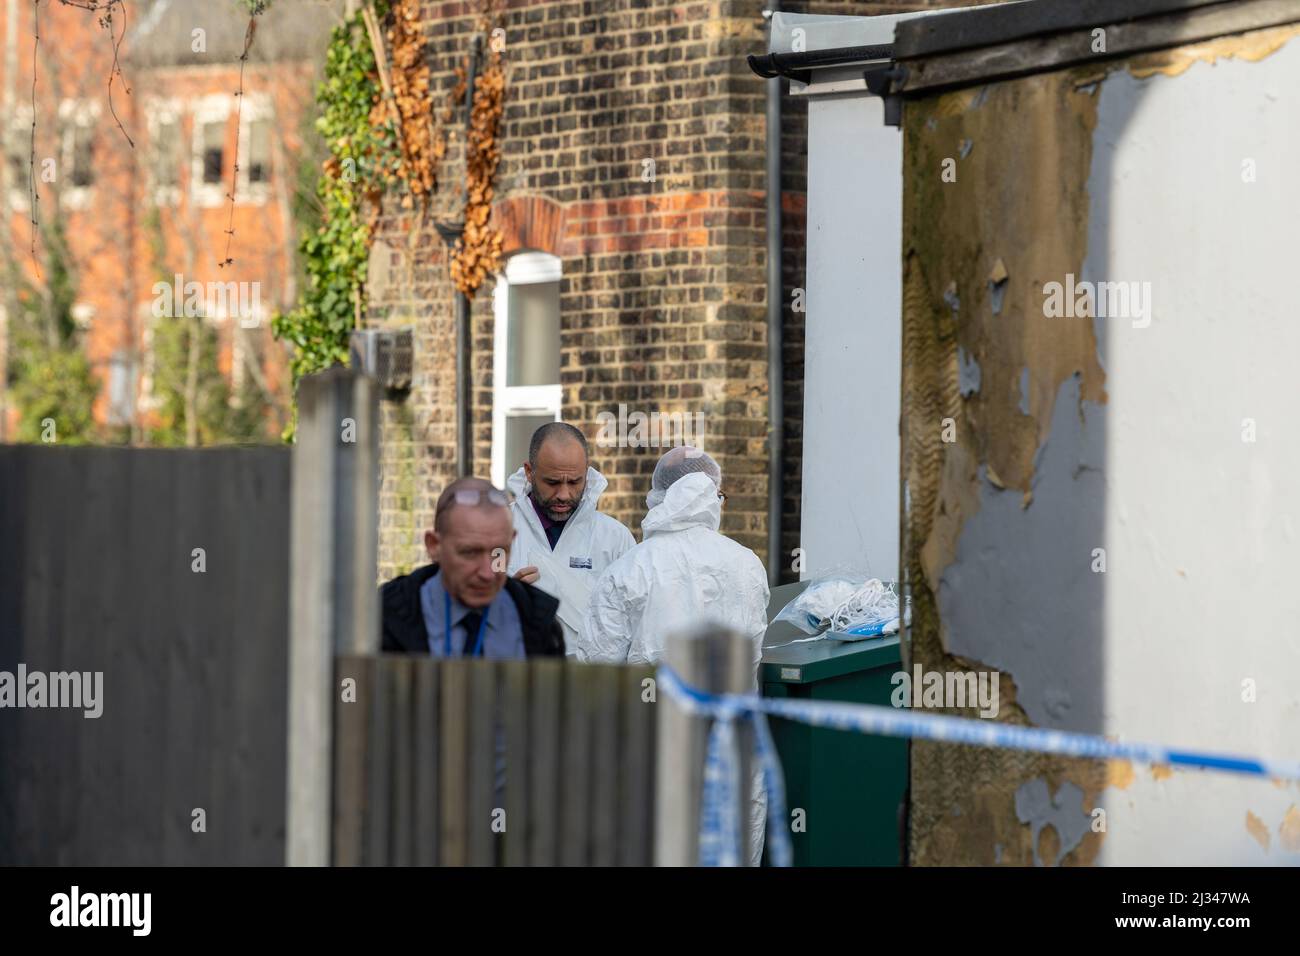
(446, 634)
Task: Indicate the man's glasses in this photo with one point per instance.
(471, 497)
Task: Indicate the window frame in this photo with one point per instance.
(213, 109)
(20, 128)
(256, 108)
(165, 112)
(74, 116)
(522, 268)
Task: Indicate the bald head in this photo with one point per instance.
(467, 493)
(557, 469)
(556, 433)
(470, 540)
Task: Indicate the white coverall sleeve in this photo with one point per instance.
(606, 634)
(623, 543)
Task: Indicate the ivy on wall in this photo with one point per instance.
(377, 121)
(363, 160)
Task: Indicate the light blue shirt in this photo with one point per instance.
(503, 638)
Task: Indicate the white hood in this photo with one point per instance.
(691, 502)
(591, 542)
(674, 582)
(517, 484)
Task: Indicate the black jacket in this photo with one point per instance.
(404, 630)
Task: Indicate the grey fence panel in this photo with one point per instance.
(401, 832)
(564, 749)
(545, 705)
(636, 770)
(514, 676)
(352, 710)
(425, 754)
(379, 764)
(484, 799)
(96, 556)
(575, 778)
(606, 730)
(453, 748)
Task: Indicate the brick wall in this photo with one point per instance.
(663, 299)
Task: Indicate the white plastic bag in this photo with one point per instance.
(846, 606)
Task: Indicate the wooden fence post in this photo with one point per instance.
(333, 604)
(714, 660)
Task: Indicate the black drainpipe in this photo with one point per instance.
(775, 310)
(464, 386)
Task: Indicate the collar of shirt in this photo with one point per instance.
(432, 596)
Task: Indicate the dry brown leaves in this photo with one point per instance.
(478, 253)
(412, 102)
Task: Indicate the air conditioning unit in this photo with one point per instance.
(386, 355)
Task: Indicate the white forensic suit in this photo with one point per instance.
(590, 543)
(682, 574)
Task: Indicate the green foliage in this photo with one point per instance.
(50, 376)
(187, 379)
(54, 383)
(362, 162)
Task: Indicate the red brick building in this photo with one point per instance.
(147, 202)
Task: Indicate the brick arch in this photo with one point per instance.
(529, 222)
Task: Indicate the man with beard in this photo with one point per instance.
(563, 543)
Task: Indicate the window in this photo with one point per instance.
(208, 150)
(214, 136)
(526, 361)
(259, 151)
(77, 167)
(83, 156)
(256, 150)
(166, 158)
(166, 173)
(19, 161)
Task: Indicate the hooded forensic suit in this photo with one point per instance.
(682, 574)
(589, 543)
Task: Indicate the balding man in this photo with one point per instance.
(464, 604)
(563, 542)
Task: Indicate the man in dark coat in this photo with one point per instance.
(464, 604)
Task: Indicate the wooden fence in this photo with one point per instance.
(166, 571)
(482, 763)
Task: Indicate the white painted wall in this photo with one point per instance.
(853, 348)
(1202, 529)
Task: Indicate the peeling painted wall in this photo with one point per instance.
(1083, 443)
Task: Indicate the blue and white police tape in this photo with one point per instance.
(718, 827)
